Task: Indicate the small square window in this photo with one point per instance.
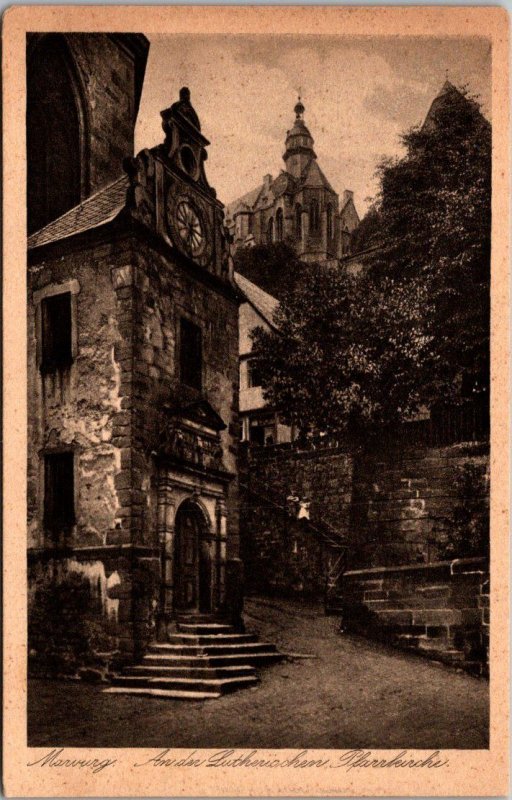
(56, 344)
(253, 374)
(59, 492)
(191, 356)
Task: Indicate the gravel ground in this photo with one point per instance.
(351, 694)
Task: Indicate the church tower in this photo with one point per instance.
(133, 385)
(299, 144)
(299, 206)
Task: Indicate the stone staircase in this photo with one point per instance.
(201, 661)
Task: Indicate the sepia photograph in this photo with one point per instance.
(258, 397)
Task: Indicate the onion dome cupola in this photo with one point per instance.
(299, 144)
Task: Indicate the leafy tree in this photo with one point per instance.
(434, 211)
(468, 529)
(347, 352)
(275, 267)
(368, 232)
(413, 329)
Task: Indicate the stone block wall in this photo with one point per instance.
(111, 70)
(83, 408)
(440, 610)
(405, 498)
(323, 476)
(160, 294)
(281, 555)
(394, 503)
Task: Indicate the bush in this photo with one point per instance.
(468, 533)
(65, 625)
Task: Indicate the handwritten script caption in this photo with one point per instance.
(347, 760)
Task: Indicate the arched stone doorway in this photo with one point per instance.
(192, 559)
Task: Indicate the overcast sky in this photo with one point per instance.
(359, 93)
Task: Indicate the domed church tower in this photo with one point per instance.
(299, 144)
(299, 206)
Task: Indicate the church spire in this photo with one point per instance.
(299, 143)
(299, 109)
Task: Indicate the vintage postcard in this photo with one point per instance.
(256, 399)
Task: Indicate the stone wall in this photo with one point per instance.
(440, 610)
(128, 299)
(323, 476)
(281, 555)
(111, 70)
(82, 407)
(393, 504)
(405, 498)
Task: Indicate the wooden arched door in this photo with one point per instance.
(192, 572)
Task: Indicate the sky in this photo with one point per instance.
(360, 94)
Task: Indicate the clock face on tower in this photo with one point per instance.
(189, 228)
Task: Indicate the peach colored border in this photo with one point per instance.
(469, 772)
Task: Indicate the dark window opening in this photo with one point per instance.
(59, 492)
(188, 160)
(279, 225)
(314, 216)
(191, 360)
(257, 435)
(329, 222)
(56, 345)
(261, 433)
(345, 242)
(270, 231)
(298, 221)
(253, 374)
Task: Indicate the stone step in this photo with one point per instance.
(248, 648)
(171, 694)
(206, 685)
(224, 660)
(208, 628)
(211, 649)
(204, 638)
(191, 672)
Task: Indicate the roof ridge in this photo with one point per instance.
(264, 303)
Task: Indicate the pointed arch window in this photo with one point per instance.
(270, 231)
(279, 225)
(298, 220)
(329, 222)
(56, 168)
(314, 216)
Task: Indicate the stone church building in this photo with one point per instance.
(300, 206)
(132, 350)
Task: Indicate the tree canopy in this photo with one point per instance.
(434, 210)
(347, 352)
(413, 328)
(274, 267)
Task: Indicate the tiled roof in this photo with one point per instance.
(311, 172)
(98, 209)
(248, 200)
(264, 303)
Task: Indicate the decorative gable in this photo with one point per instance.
(169, 192)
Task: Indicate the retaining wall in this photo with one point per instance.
(440, 610)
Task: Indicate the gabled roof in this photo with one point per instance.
(246, 202)
(313, 176)
(265, 304)
(100, 208)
